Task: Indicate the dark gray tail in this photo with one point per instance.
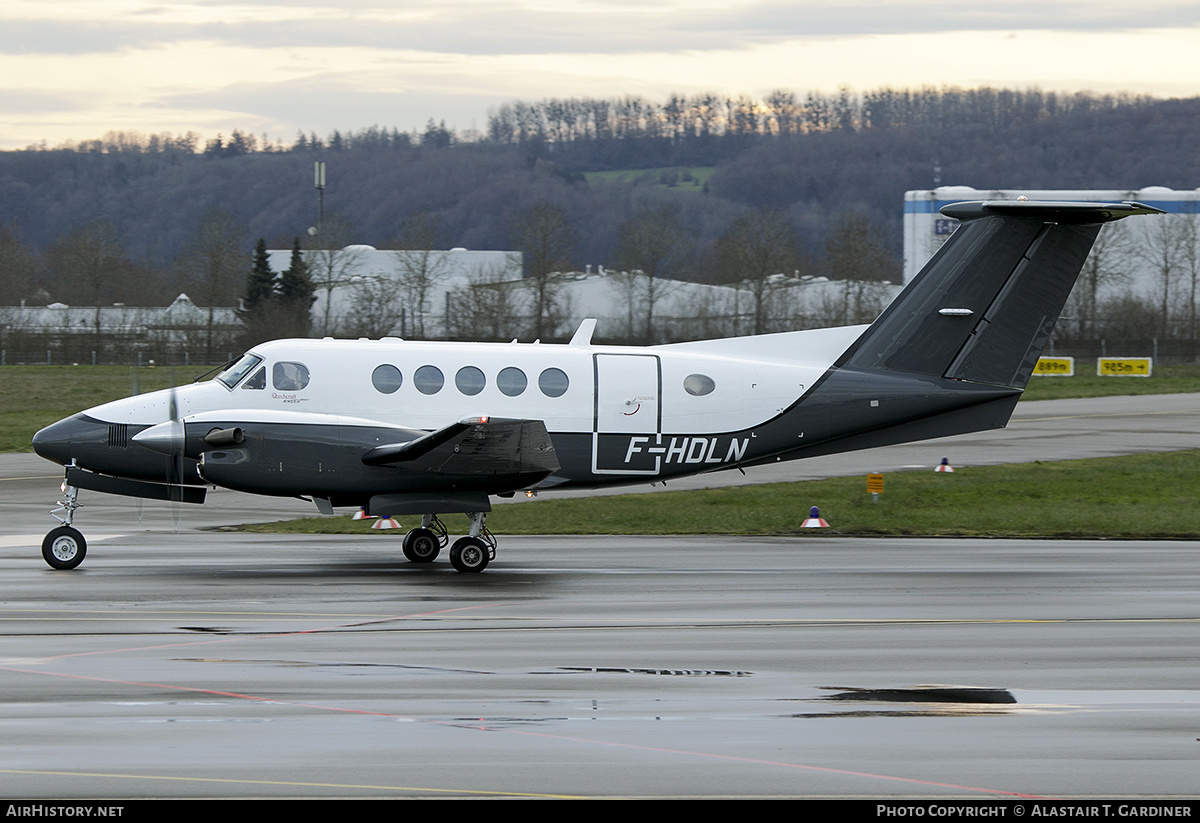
(984, 307)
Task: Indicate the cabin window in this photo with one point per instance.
(511, 381)
(698, 385)
(238, 370)
(428, 379)
(553, 382)
(258, 381)
(386, 378)
(289, 376)
(470, 380)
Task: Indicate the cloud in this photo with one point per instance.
(471, 27)
(283, 65)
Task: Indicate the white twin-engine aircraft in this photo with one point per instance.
(420, 428)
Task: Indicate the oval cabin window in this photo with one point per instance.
(386, 379)
(698, 385)
(470, 380)
(553, 382)
(428, 380)
(512, 381)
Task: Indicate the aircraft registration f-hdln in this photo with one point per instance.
(430, 428)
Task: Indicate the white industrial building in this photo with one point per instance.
(362, 277)
(344, 278)
(181, 326)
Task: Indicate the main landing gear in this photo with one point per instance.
(470, 554)
(64, 547)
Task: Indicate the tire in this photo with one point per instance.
(421, 546)
(469, 555)
(64, 548)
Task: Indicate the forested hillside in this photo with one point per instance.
(827, 163)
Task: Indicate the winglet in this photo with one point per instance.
(583, 335)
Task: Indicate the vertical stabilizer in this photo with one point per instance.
(984, 307)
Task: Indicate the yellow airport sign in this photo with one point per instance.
(1123, 366)
(1055, 367)
(875, 483)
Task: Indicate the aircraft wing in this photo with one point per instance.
(475, 446)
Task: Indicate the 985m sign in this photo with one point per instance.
(1123, 366)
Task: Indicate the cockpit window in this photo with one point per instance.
(238, 370)
(258, 381)
(289, 376)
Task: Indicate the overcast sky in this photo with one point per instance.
(75, 69)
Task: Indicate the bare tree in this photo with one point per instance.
(857, 252)
(755, 247)
(420, 268)
(709, 313)
(543, 234)
(848, 302)
(89, 264)
(653, 247)
(857, 248)
(332, 262)
(378, 305)
(213, 261)
(17, 264)
(1107, 265)
(1189, 240)
(1163, 251)
(488, 307)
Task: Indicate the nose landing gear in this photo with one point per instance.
(64, 547)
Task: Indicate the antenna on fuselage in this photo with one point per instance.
(583, 334)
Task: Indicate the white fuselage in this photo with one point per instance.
(696, 388)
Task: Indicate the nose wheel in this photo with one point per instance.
(64, 548)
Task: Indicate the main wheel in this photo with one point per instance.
(421, 546)
(64, 548)
(469, 554)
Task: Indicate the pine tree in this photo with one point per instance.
(259, 309)
(260, 283)
(296, 295)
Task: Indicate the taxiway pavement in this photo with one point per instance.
(234, 665)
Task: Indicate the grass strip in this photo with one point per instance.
(1150, 496)
(32, 397)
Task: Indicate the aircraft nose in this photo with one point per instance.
(54, 441)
